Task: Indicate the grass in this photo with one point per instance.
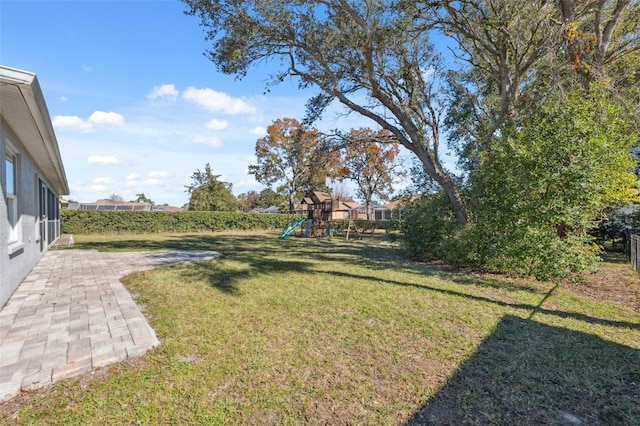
(334, 332)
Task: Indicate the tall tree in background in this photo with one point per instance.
(374, 57)
(269, 198)
(293, 155)
(263, 199)
(116, 197)
(371, 161)
(207, 193)
(248, 200)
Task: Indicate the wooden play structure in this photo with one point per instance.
(322, 212)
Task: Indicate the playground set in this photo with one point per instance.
(322, 212)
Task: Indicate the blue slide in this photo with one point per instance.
(291, 228)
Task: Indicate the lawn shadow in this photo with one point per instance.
(526, 372)
(227, 279)
(174, 242)
(372, 255)
(537, 309)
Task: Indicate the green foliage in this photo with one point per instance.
(429, 227)
(537, 192)
(544, 182)
(207, 193)
(105, 222)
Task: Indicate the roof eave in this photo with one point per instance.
(29, 87)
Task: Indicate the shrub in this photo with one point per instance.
(429, 229)
(103, 222)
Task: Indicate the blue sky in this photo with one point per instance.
(135, 104)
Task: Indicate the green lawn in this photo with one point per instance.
(325, 331)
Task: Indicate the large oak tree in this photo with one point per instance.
(374, 57)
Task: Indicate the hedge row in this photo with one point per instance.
(363, 225)
(105, 222)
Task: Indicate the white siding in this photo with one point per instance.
(17, 259)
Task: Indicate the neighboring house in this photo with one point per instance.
(112, 205)
(268, 210)
(396, 208)
(32, 178)
(376, 212)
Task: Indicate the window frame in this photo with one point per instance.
(12, 198)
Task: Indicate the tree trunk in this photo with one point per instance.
(455, 199)
(291, 202)
(433, 168)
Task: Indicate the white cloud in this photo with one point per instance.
(152, 182)
(87, 68)
(71, 122)
(217, 101)
(207, 140)
(64, 98)
(258, 131)
(217, 124)
(103, 180)
(132, 176)
(160, 174)
(106, 160)
(97, 188)
(101, 117)
(164, 91)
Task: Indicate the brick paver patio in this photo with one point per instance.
(72, 314)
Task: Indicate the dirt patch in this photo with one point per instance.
(615, 282)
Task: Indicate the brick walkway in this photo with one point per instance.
(72, 314)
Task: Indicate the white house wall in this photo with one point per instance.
(16, 261)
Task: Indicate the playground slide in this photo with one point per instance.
(291, 228)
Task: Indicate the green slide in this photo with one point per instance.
(291, 228)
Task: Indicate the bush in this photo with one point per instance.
(369, 226)
(104, 222)
(429, 229)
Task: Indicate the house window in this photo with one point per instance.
(12, 196)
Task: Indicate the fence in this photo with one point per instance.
(634, 252)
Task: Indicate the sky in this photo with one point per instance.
(135, 104)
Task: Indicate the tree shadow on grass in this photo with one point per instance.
(175, 242)
(526, 372)
(376, 257)
(524, 306)
(227, 280)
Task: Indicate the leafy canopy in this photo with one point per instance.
(371, 160)
(374, 57)
(293, 155)
(207, 193)
(546, 180)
